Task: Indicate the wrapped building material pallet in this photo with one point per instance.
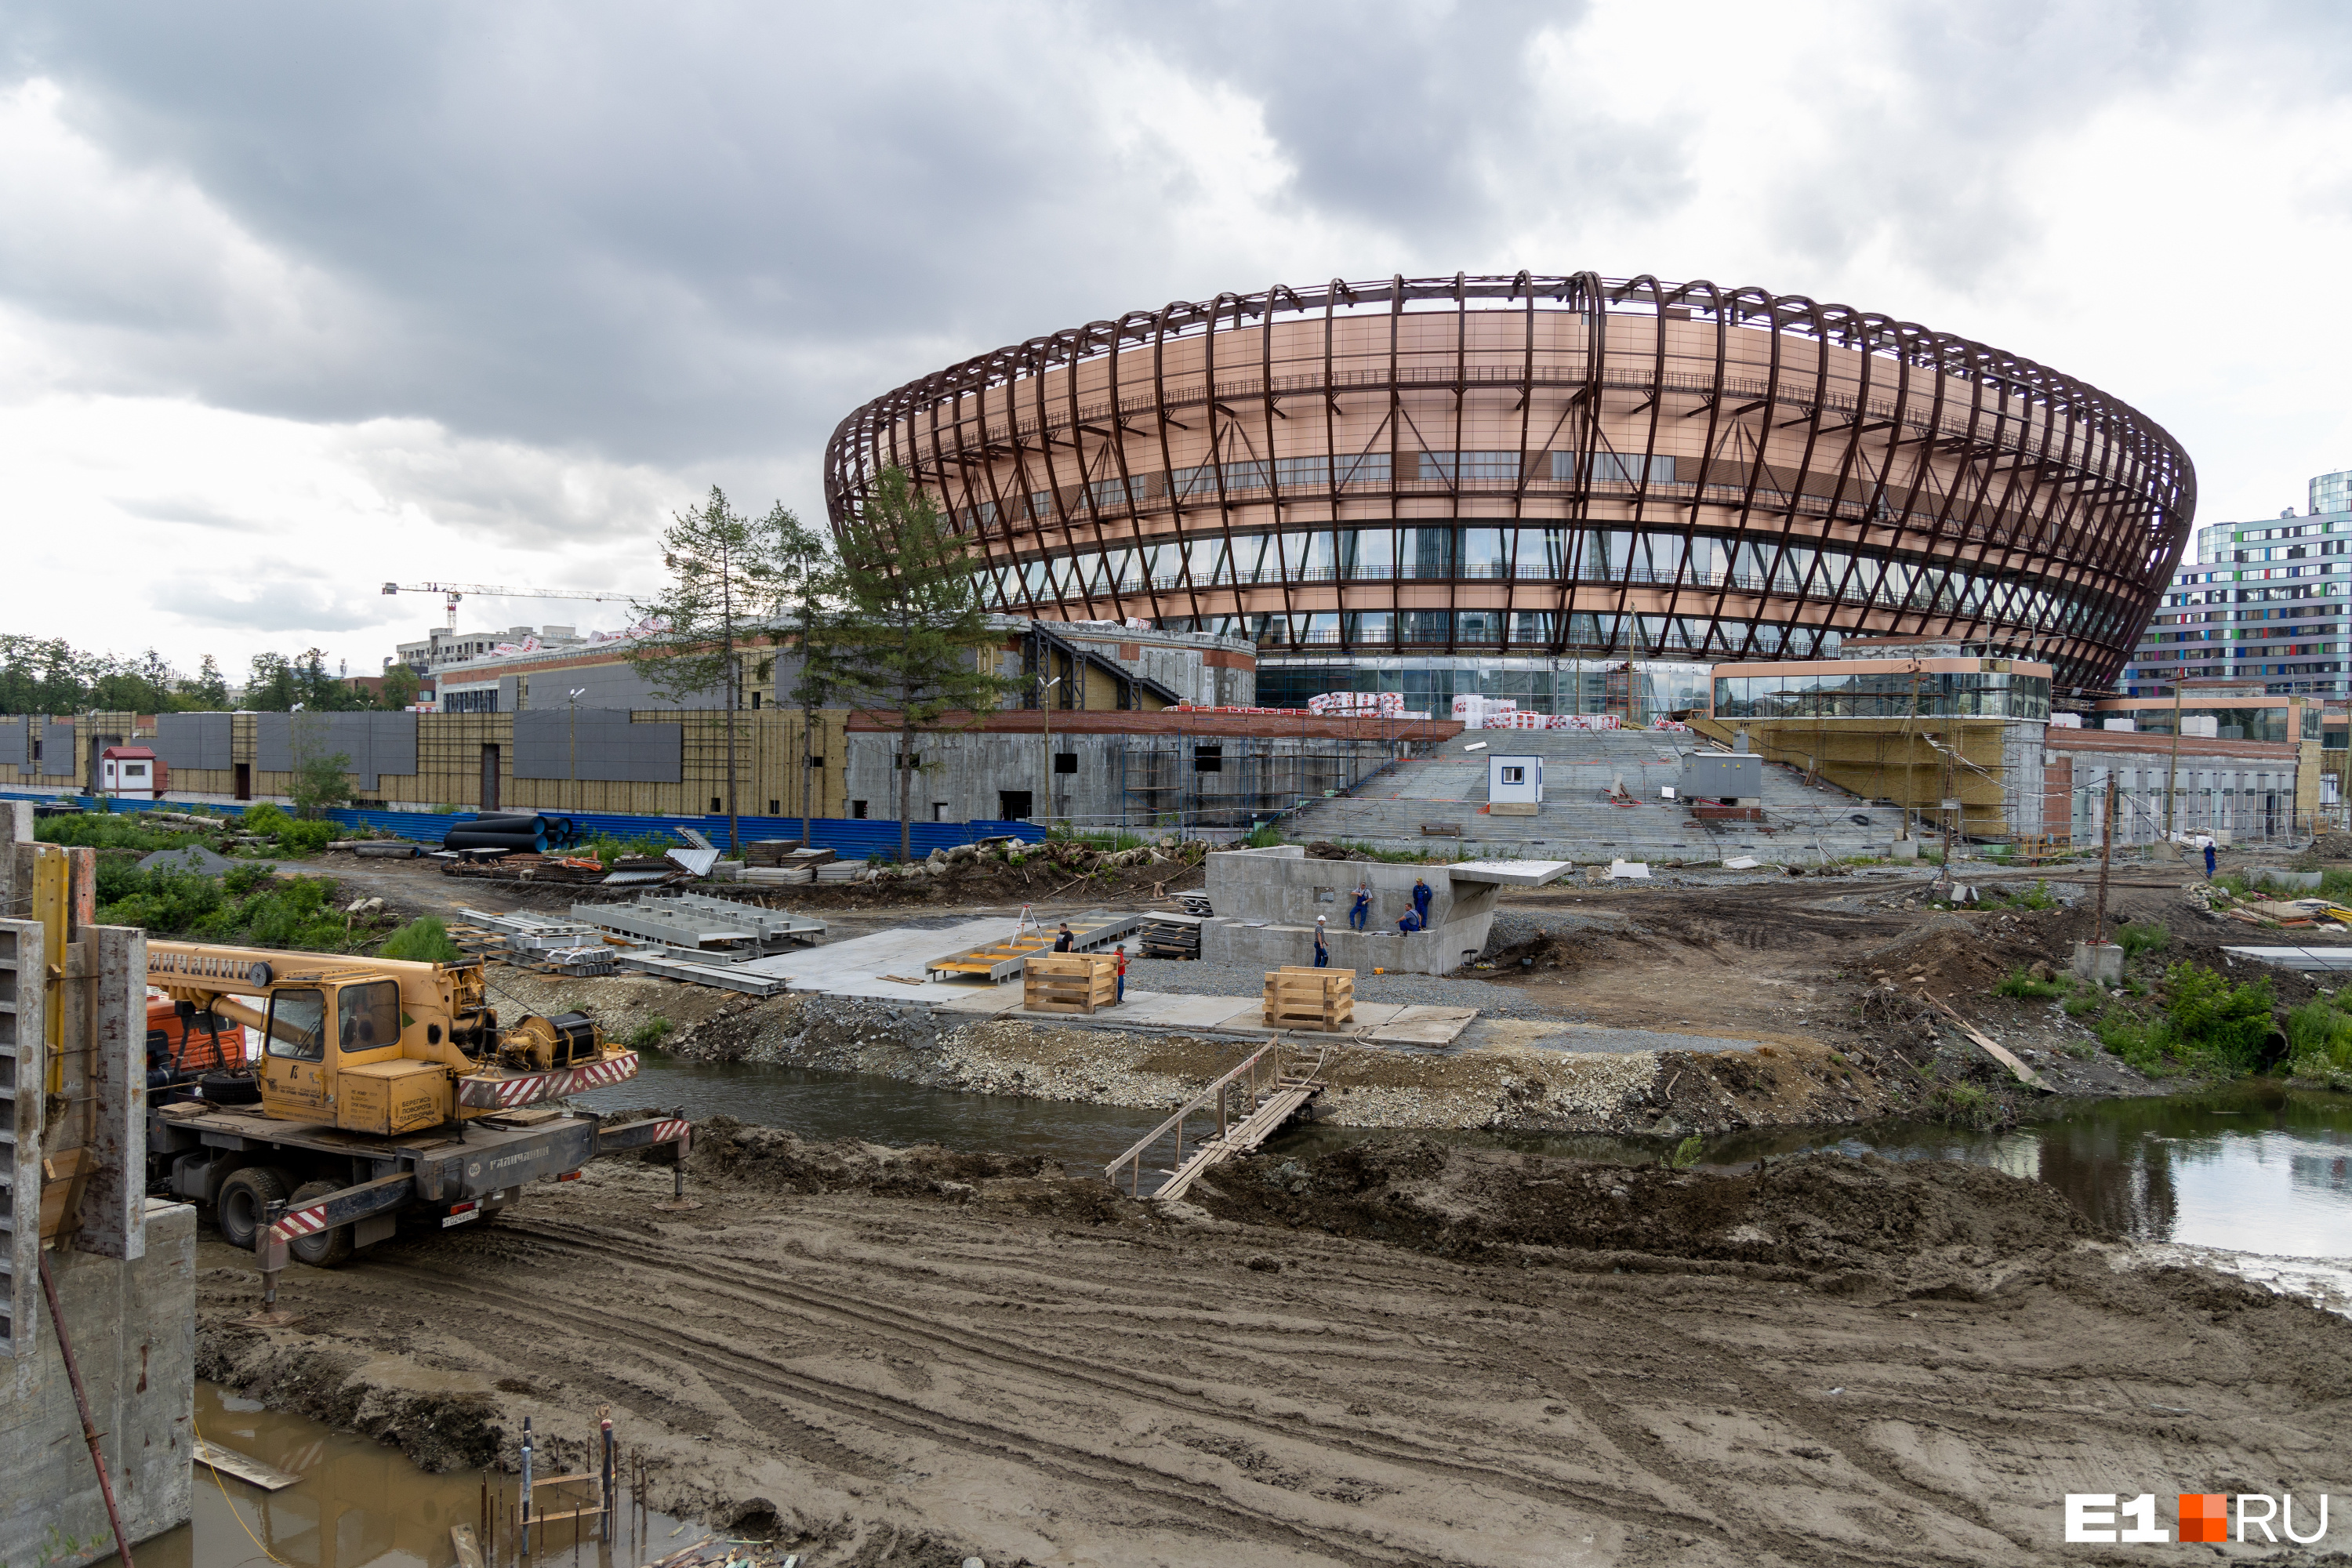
(1068, 982)
(1297, 998)
(1171, 936)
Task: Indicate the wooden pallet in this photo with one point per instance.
(1303, 998)
(1068, 982)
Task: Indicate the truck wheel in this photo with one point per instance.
(245, 1200)
(323, 1248)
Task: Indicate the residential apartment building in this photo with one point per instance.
(2269, 601)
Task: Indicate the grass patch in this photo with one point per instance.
(423, 941)
(2081, 1003)
(1964, 1105)
(2143, 936)
(2037, 896)
(1265, 836)
(2319, 1042)
(607, 848)
(2019, 984)
(107, 830)
(249, 907)
(1107, 840)
(649, 1034)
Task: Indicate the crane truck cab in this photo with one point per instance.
(383, 1088)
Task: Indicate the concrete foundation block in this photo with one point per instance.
(2101, 964)
(1903, 850)
(134, 1332)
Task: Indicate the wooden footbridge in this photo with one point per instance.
(1250, 1104)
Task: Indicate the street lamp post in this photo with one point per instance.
(573, 701)
(1046, 717)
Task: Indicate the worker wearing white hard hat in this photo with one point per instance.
(1322, 948)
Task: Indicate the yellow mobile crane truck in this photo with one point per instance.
(381, 1089)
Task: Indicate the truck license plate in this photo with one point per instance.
(449, 1220)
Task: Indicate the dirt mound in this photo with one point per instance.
(2327, 850)
(768, 1158)
(1552, 950)
(1054, 869)
(1964, 955)
(1824, 1213)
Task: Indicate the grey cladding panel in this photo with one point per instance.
(352, 734)
(57, 751)
(610, 749)
(392, 743)
(192, 740)
(16, 744)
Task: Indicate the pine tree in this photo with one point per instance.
(728, 575)
(915, 633)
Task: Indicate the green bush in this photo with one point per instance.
(266, 819)
(648, 1036)
(2081, 1004)
(2319, 1042)
(2018, 983)
(423, 941)
(2214, 1022)
(241, 881)
(1265, 836)
(607, 848)
(248, 905)
(2143, 936)
(2124, 1033)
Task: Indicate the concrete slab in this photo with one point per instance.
(984, 1001)
(1510, 873)
(2297, 957)
(1424, 1026)
(904, 951)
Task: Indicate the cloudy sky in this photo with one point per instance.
(297, 299)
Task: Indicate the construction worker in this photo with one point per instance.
(1360, 913)
(2209, 859)
(1120, 951)
(1410, 921)
(1421, 897)
(1063, 939)
(1322, 948)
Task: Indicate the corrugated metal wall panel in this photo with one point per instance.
(852, 839)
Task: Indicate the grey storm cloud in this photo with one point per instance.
(676, 231)
(674, 234)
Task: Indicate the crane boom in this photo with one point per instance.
(453, 591)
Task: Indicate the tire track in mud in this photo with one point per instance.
(1168, 1392)
(1713, 1501)
(1188, 1500)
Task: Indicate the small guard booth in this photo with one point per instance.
(1514, 785)
(133, 772)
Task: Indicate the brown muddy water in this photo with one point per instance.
(359, 1504)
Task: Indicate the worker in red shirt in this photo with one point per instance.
(1121, 953)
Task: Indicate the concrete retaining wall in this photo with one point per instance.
(1266, 901)
(134, 1333)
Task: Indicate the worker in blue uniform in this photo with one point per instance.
(1322, 947)
(1359, 914)
(1421, 897)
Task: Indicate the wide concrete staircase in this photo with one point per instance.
(1577, 821)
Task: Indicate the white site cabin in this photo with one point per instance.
(1514, 785)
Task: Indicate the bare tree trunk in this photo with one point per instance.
(734, 676)
(906, 775)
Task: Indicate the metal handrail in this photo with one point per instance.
(1133, 1158)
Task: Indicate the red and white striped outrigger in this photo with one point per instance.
(499, 1090)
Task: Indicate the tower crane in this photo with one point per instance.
(453, 591)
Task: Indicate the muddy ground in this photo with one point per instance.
(1398, 1353)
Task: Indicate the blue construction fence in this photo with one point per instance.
(850, 839)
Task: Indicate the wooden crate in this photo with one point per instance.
(1303, 998)
(1068, 982)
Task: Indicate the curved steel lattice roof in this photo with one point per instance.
(1544, 464)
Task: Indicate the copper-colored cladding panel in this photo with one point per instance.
(1785, 469)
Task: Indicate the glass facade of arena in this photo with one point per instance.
(1454, 472)
(1883, 694)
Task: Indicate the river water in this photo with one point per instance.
(2253, 1166)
